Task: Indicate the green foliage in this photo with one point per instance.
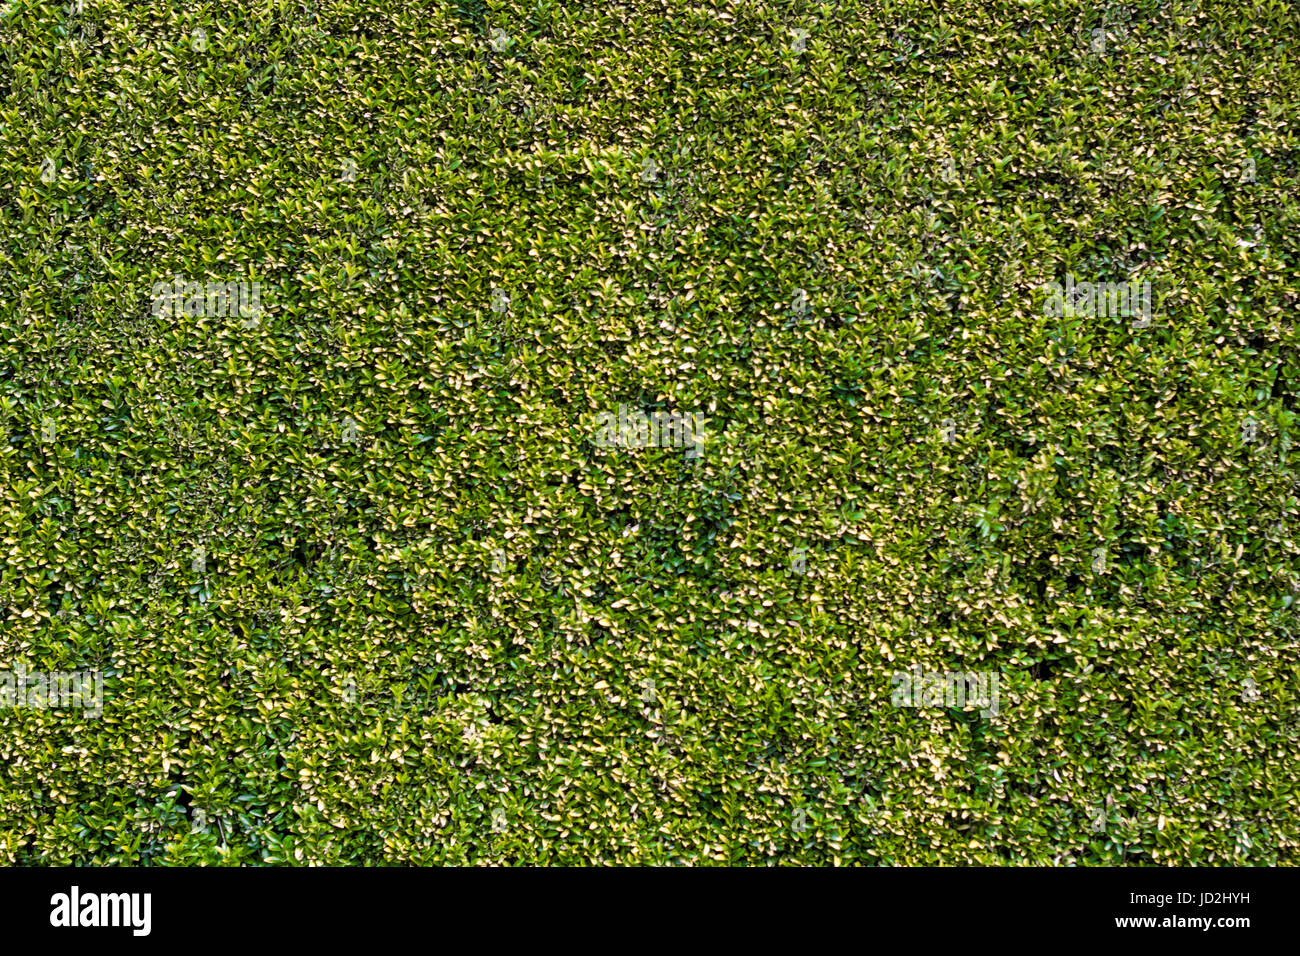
(350, 676)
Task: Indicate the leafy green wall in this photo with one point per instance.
(832, 246)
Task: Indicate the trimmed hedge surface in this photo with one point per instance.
(363, 585)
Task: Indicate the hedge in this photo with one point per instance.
(375, 573)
